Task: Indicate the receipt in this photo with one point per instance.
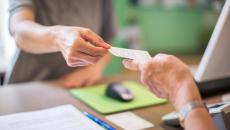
(138, 55)
(129, 121)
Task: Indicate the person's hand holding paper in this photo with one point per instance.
(79, 46)
(138, 55)
(167, 77)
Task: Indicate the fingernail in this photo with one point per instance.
(107, 45)
(123, 61)
(125, 64)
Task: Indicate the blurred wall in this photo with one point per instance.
(7, 46)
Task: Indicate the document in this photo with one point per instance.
(138, 55)
(65, 117)
(129, 121)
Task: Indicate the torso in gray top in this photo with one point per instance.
(94, 14)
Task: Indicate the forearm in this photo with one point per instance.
(33, 38)
(29, 35)
(79, 46)
(199, 118)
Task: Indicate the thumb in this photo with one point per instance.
(95, 40)
(131, 64)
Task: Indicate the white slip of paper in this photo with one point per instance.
(138, 55)
(64, 117)
(134, 122)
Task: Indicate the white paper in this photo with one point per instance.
(64, 117)
(129, 121)
(138, 55)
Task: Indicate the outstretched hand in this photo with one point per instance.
(79, 46)
(86, 76)
(167, 77)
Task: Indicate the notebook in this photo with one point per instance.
(94, 96)
(65, 117)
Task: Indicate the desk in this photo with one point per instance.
(41, 95)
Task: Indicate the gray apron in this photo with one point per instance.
(94, 14)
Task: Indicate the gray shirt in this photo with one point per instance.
(94, 14)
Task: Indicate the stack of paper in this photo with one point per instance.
(64, 117)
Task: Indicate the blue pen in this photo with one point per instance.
(98, 121)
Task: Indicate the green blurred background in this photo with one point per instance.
(177, 27)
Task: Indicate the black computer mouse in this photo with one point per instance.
(119, 92)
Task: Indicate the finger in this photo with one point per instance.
(75, 60)
(153, 88)
(93, 51)
(130, 64)
(79, 64)
(149, 84)
(67, 82)
(70, 83)
(150, 87)
(90, 82)
(76, 56)
(83, 84)
(85, 58)
(146, 77)
(160, 55)
(74, 83)
(88, 48)
(153, 85)
(94, 39)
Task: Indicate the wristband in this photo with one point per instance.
(184, 111)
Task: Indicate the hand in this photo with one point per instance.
(83, 77)
(79, 46)
(167, 77)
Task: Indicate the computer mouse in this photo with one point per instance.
(119, 92)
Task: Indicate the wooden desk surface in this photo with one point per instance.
(40, 95)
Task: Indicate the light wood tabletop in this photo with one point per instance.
(40, 95)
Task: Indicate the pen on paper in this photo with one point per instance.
(98, 121)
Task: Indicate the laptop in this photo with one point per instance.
(213, 74)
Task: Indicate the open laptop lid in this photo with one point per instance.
(215, 63)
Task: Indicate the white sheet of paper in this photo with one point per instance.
(129, 121)
(64, 117)
(138, 55)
